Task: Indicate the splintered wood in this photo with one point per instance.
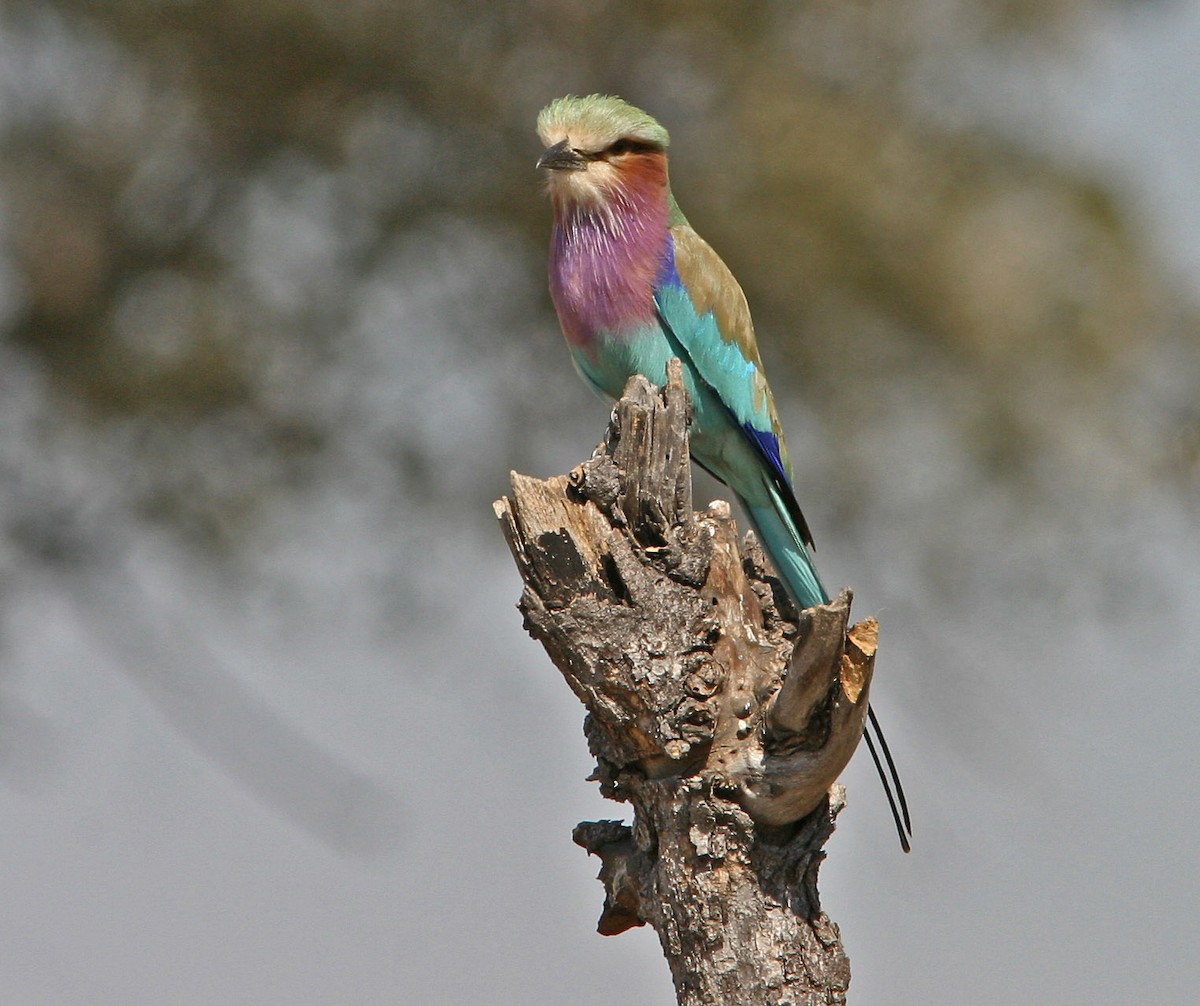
(721, 715)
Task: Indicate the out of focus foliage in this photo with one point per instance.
(240, 239)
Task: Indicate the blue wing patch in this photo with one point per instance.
(768, 446)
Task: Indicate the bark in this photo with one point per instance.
(718, 712)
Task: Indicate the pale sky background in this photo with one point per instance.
(339, 813)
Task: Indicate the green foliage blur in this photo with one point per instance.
(202, 208)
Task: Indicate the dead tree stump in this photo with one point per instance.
(718, 712)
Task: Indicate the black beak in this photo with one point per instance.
(561, 157)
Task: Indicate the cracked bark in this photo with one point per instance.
(719, 713)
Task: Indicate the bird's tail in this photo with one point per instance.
(782, 541)
(788, 554)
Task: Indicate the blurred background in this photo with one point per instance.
(274, 329)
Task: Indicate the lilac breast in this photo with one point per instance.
(604, 262)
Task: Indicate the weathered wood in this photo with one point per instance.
(722, 721)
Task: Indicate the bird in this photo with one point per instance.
(634, 286)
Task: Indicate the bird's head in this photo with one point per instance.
(597, 145)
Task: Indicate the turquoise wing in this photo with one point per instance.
(736, 434)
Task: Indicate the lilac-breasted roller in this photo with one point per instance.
(634, 286)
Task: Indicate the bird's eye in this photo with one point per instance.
(624, 146)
